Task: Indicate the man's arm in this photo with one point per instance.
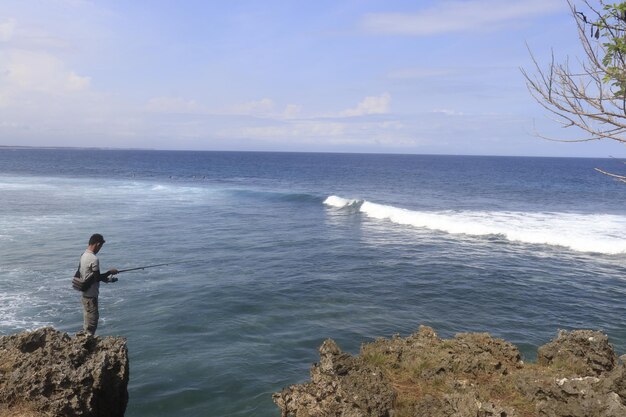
(106, 277)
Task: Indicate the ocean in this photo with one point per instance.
(288, 249)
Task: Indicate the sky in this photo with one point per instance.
(418, 77)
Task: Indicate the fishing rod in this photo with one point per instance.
(154, 266)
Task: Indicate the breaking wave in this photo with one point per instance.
(597, 233)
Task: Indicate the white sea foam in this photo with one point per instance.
(16, 186)
(11, 306)
(339, 202)
(30, 299)
(87, 188)
(599, 233)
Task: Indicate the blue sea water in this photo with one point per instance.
(290, 249)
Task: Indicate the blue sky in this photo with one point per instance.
(333, 76)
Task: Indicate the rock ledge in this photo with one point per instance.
(472, 375)
(49, 373)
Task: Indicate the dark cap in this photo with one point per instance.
(96, 238)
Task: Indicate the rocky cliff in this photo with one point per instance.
(49, 373)
(471, 375)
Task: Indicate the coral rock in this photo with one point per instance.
(53, 374)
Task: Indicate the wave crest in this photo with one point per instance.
(339, 202)
(597, 233)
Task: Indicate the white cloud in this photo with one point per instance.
(459, 16)
(26, 66)
(315, 132)
(42, 97)
(76, 82)
(291, 111)
(25, 36)
(23, 71)
(265, 108)
(262, 107)
(294, 131)
(370, 105)
(7, 29)
(174, 105)
(449, 112)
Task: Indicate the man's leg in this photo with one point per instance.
(90, 314)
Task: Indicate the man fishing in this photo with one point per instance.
(89, 275)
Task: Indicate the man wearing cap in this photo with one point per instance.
(89, 271)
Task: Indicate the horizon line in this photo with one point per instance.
(104, 148)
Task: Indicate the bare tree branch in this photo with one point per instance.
(621, 178)
(591, 94)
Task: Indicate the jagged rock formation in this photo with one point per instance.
(49, 373)
(584, 349)
(341, 385)
(471, 375)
